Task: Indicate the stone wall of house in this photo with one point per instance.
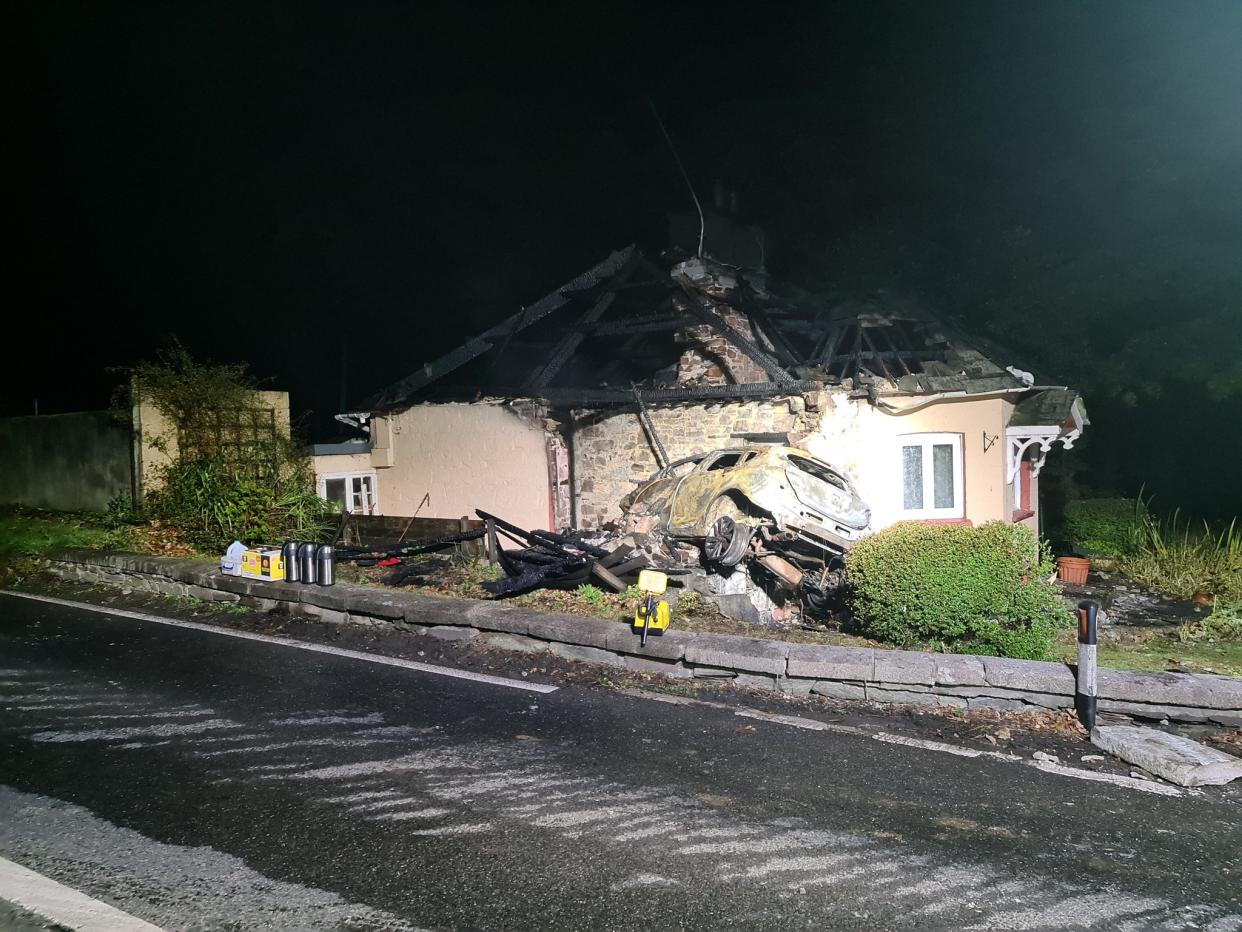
(611, 453)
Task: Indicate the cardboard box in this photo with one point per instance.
(263, 564)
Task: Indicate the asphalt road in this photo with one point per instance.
(199, 781)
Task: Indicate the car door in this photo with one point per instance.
(699, 489)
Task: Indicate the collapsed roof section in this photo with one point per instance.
(627, 326)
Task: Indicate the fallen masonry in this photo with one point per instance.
(1173, 757)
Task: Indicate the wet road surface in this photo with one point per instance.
(200, 781)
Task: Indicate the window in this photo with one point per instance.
(819, 471)
(931, 476)
(354, 492)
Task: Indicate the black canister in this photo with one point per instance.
(289, 553)
(306, 563)
(325, 564)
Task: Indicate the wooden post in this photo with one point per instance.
(491, 545)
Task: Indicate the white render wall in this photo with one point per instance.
(463, 457)
(866, 442)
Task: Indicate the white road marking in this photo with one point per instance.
(64, 905)
(796, 721)
(430, 812)
(473, 828)
(942, 747)
(380, 805)
(1146, 786)
(643, 880)
(358, 797)
(370, 718)
(137, 731)
(305, 743)
(297, 645)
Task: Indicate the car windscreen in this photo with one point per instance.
(819, 471)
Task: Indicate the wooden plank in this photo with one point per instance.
(607, 577)
(629, 566)
(617, 556)
(877, 354)
(767, 325)
(395, 530)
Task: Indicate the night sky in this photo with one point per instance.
(269, 182)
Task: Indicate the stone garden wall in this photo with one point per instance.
(884, 676)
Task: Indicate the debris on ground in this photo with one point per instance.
(1177, 759)
(559, 561)
(1125, 605)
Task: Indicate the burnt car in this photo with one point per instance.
(779, 506)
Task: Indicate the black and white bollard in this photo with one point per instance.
(1085, 693)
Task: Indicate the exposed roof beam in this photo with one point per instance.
(610, 396)
(650, 324)
(876, 354)
(569, 345)
(784, 348)
(696, 308)
(400, 391)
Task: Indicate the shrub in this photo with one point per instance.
(1182, 559)
(981, 589)
(261, 490)
(269, 498)
(1224, 624)
(1105, 527)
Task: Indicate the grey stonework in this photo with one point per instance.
(612, 453)
(452, 632)
(847, 673)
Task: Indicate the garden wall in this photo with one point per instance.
(885, 676)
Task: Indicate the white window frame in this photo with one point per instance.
(926, 442)
(349, 494)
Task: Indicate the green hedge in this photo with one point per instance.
(968, 589)
(1105, 527)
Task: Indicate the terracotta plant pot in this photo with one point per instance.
(1073, 570)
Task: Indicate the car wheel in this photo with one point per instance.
(726, 542)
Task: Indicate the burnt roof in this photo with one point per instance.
(1051, 407)
(614, 326)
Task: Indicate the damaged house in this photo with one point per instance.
(554, 417)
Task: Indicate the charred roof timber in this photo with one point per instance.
(630, 320)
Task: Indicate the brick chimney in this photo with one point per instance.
(709, 358)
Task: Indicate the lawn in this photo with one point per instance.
(1164, 652)
(26, 535)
